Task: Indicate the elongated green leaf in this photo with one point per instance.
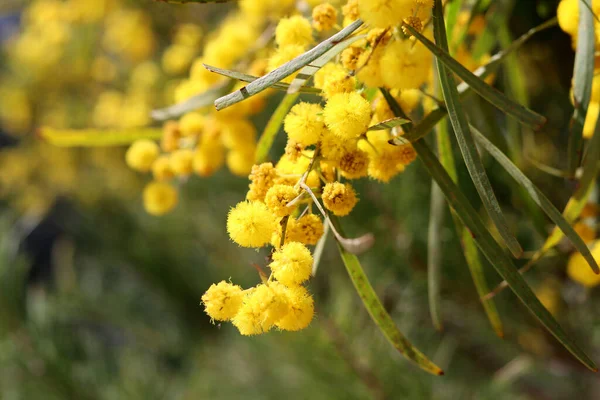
(491, 250)
(193, 103)
(319, 249)
(583, 74)
(305, 73)
(494, 253)
(389, 124)
(97, 137)
(434, 254)
(273, 127)
(378, 313)
(540, 199)
(452, 11)
(240, 76)
(426, 124)
(465, 139)
(497, 98)
(286, 69)
(468, 243)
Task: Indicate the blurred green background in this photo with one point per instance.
(99, 300)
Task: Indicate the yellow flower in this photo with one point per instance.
(222, 301)
(354, 164)
(240, 161)
(161, 169)
(191, 124)
(324, 17)
(261, 309)
(301, 312)
(208, 157)
(251, 224)
(292, 264)
(182, 162)
(307, 229)
(339, 198)
(278, 197)
(347, 115)
(159, 198)
(262, 178)
(238, 134)
(294, 31)
(579, 270)
(304, 123)
(141, 155)
(405, 65)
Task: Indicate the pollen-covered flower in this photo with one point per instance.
(304, 123)
(262, 178)
(292, 264)
(261, 309)
(307, 229)
(301, 310)
(579, 270)
(350, 57)
(240, 161)
(182, 162)
(141, 155)
(251, 224)
(161, 169)
(222, 301)
(295, 31)
(354, 164)
(324, 17)
(386, 13)
(191, 124)
(339, 198)
(347, 115)
(405, 65)
(277, 199)
(159, 198)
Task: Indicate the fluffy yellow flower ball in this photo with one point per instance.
(386, 13)
(240, 161)
(191, 124)
(251, 224)
(301, 312)
(295, 31)
(292, 264)
(304, 123)
(347, 115)
(161, 169)
(354, 164)
(141, 155)
(159, 198)
(339, 198)
(579, 270)
(182, 162)
(222, 301)
(405, 65)
(261, 309)
(278, 197)
(262, 177)
(324, 17)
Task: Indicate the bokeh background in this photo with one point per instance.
(99, 300)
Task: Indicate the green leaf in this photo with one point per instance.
(490, 249)
(465, 139)
(389, 124)
(309, 70)
(537, 196)
(434, 254)
(286, 69)
(378, 313)
(468, 243)
(97, 137)
(497, 98)
(240, 76)
(452, 11)
(203, 99)
(273, 126)
(494, 253)
(583, 75)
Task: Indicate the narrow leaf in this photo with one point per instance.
(452, 11)
(193, 103)
(434, 254)
(465, 139)
(491, 250)
(537, 196)
(379, 315)
(97, 137)
(273, 127)
(497, 98)
(389, 124)
(286, 69)
(583, 74)
(305, 73)
(240, 76)
(319, 249)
